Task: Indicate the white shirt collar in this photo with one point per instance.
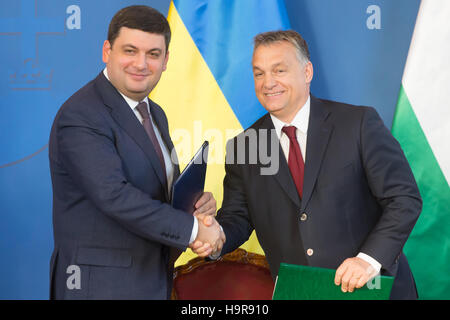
(300, 120)
(132, 103)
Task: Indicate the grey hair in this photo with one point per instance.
(291, 36)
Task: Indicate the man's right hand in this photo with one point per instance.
(210, 237)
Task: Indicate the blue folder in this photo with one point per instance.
(188, 188)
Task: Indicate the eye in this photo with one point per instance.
(154, 54)
(129, 51)
(257, 74)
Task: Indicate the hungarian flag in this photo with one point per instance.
(422, 126)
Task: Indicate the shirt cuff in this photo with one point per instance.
(374, 263)
(216, 255)
(194, 231)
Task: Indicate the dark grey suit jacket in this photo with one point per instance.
(359, 195)
(111, 216)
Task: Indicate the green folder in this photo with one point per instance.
(295, 282)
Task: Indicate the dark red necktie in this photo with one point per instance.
(295, 161)
(147, 123)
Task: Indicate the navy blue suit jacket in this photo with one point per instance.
(111, 216)
(359, 195)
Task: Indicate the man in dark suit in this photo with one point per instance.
(111, 159)
(350, 206)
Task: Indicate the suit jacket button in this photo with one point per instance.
(303, 217)
(310, 252)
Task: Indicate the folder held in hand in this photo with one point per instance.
(296, 282)
(188, 188)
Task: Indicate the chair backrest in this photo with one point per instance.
(239, 275)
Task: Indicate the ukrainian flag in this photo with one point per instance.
(207, 90)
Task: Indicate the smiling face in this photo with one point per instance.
(135, 61)
(282, 81)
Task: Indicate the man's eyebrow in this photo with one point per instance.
(272, 66)
(129, 45)
(277, 64)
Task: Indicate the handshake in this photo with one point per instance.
(210, 236)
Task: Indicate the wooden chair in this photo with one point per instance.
(239, 275)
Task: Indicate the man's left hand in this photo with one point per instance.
(206, 205)
(353, 273)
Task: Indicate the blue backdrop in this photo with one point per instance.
(51, 48)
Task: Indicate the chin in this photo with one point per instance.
(273, 109)
(138, 91)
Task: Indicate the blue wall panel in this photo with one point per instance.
(44, 60)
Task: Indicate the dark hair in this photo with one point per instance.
(290, 36)
(142, 18)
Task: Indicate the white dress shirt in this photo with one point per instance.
(301, 121)
(165, 151)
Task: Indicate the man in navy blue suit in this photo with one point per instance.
(343, 196)
(115, 234)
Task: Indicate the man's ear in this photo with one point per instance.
(309, 72)
(105, 51)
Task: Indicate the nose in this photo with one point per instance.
(269, 81)
(140, 61)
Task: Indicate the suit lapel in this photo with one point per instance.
(158, 118)
(319, 132)
(283, 176)
(124, 116)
